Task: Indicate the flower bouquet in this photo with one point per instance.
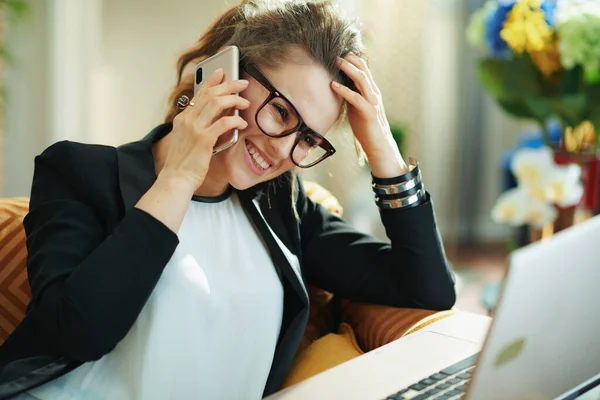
(542, 60)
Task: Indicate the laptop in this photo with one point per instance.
(543, 343)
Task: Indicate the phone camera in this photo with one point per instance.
(199, 76)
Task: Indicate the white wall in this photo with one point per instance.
(438, 140)
(140, 45)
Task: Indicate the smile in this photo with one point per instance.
(258, 164)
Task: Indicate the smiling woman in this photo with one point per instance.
(171, 273)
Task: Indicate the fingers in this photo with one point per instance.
(226, 124)
(361, 64)
(229, 87)
(215, 79)
(352, 97)
(217, 105)
(359, 77)
(215, 97)
(215, 86)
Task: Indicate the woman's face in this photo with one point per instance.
(307, 87)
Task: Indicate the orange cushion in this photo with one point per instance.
(324, 353)
(14, 287)
(377, 325)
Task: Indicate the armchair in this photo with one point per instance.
(338, 330)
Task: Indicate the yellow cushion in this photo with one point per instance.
(324, 353)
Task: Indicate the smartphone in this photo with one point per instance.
(229, 60)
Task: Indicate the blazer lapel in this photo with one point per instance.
(284, 268)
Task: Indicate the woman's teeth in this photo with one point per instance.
(256, 156)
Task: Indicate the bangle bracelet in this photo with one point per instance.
(416, 187)
(399, 179)
(415, 199)
(398, 188)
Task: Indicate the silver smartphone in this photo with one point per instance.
(229, 60)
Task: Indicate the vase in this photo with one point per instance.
(590, 177)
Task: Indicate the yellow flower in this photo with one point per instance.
(582, 138)
(548, 60)
(525, 28)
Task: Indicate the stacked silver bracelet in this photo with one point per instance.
(404, 191)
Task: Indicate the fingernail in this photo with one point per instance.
(218, 71)
(243, 81)
(335, 84)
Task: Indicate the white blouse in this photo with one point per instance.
(209, 329)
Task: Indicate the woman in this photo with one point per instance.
(160, 271)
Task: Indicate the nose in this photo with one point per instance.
(282, 146)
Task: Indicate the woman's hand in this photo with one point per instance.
(191, 142)
(197, 128)
(367, 119)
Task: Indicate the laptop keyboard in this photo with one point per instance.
(449, 383)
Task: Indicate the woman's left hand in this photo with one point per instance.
(367, 119)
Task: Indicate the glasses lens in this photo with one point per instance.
(308, 150)
(277, 117)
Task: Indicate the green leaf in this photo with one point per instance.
(540, 107)
(506, 79)
(16, 8)
(571, 108)
(593, 98)
(4, 54)
(516, 107)
(571, 82)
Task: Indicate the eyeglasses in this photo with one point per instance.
(277, 118)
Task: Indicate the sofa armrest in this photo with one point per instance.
(377, 325)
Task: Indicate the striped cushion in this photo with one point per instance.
(14, 287)
(377, 325)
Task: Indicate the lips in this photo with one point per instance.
(257, 160)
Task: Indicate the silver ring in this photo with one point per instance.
(183, 102)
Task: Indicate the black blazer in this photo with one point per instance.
(94, 259)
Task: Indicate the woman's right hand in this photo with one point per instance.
(197, 128)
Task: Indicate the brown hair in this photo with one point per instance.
(266, 32)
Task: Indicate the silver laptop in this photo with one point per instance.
(544, 342)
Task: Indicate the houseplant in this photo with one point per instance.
(541, 61)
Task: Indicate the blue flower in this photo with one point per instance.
(495, 22)
(549, 7)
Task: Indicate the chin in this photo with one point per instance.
(242, 170)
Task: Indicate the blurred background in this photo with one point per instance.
(99, 71)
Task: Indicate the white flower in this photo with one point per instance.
(542, 184)
(567, 10)
(564, 187)
(516, 207)
(509, 207)
(539, 214)
(532, 166)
